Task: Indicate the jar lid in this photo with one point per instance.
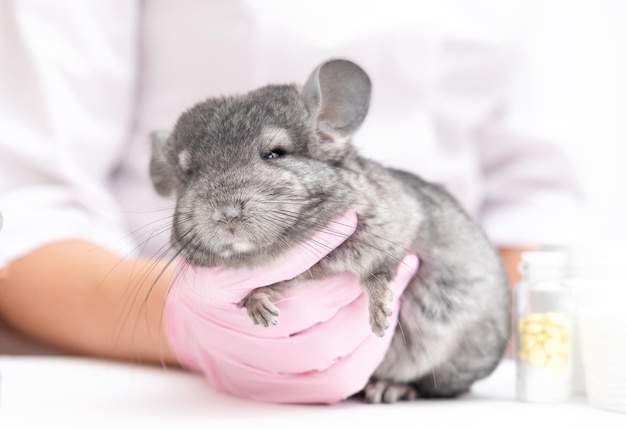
(545, 264)
(544, 258)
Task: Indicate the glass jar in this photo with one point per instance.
(596, 277)
(544, 323)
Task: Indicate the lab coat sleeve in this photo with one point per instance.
(532, 191)
(66, 103)
(532, 195)
(529, 191)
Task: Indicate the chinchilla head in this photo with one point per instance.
(255, 174)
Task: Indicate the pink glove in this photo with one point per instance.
(321, 351)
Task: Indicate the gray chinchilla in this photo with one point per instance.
(257, 173)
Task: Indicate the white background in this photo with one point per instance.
(577, 70)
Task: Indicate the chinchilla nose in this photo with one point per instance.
(229, 216)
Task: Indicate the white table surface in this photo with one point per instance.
(61, 392)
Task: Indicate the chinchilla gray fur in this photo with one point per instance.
(257, 173)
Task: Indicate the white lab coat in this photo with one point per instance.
(84, 83)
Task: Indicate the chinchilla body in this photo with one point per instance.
(255, 174)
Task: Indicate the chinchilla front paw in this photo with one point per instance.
(380, 309)
(260, 307)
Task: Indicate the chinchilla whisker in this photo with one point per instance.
(144, 211)
(159, 255)
(173, 259)
(356, 205)
(327, 228)
(134, 291)
(420, 334)
(400, 325)
(287, 201)
(326, 247)
(184, 263)
(321, 248)
(143, 307)
(280, 215)
(140, 246)
(316, 246)
(302, 202)
(162, 251)
(152, 223)
(441, 293)
(316, 226)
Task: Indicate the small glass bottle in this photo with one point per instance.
(544, 320)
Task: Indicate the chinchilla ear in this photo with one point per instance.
(337, 95)
(161, 170)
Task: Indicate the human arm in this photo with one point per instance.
(82, 299)
(510, 259)
(126, 309)
(86, 300)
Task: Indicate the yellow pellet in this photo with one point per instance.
(544, 339)
(552, 331)
(534, 328)
(552, 346)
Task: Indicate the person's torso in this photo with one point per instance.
(429, 91)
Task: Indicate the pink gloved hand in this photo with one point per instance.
(321, 351)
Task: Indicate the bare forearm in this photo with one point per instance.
(83, 299)
(510, 258)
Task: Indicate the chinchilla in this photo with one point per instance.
(256, 173)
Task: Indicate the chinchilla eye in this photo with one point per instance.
(274, 153)
(188, 173)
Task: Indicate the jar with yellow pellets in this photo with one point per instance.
(544, 313)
